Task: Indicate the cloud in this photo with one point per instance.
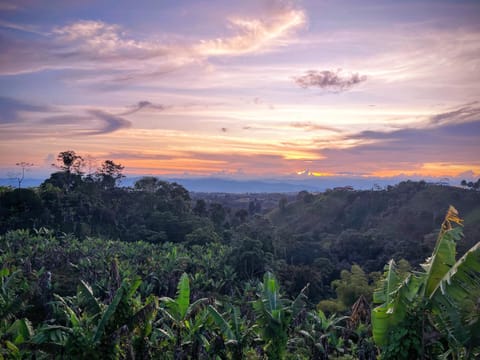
(448, 142)
(313, 127)
(468, 112)
(137, 156)
(110, 123)
(15, 113)
(113, 53)
(7, 6)
(329, 80)
(96, 40)
(94, 122)
(254, 34)
(11, 109)
(143, 105)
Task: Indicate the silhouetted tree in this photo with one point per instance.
(69, 162)
(24, 166)
(109, 174)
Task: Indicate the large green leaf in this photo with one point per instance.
(109, 312)
(221, 323)
(455, 301)
(87, 299)
(443, 256)
(398, 295)
(271, 294)
(389, 283)
(183, 295)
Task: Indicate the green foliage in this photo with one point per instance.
(455, 307)
(275, 315)
(405, 342)
(446, 293)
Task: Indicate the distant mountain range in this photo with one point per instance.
(283, 185)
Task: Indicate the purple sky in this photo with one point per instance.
(245, 89)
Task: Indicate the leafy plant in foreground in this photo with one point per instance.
(445, 295)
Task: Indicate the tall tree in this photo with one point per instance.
(24, 166)
(109, 174)
(69, 162)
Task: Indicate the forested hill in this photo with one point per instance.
(370, 227)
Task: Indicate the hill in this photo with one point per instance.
(370, 227)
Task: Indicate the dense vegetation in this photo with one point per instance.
(93, 270)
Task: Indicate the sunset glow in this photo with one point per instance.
(252, 89)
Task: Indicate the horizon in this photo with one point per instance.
(288, 184)
(262, 90)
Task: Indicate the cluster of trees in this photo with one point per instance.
(470, 184)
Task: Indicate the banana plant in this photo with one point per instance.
(13, 339)
(447, 290)
(455, 303)
(235, 333)
(95, 330)
(275, 316)
(179, 311)
(321, 334)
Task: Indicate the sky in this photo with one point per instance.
(246, 89)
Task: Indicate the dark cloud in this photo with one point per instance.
(329, 80)
(96, 122)
(10, 109)
(64, 119)
(408, 148)
(224, 129)
(110, 123)
(143, 105)
(313, 127)
(468, 112)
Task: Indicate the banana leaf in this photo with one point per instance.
(443, 256)
(456, 301)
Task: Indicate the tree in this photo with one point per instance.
(147, 183)
(24, 166)
(470, 184)
(109, 174)
(69, 162)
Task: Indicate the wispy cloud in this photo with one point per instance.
(254, 34)
(97, 40)
(91, 122)
(110, 123)
(309, 126)
(15, 114)
(451, 141)
(97, 45)
(143, 105)
(468, 112)
(11, 109)
(8, 5)
(329, 80)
